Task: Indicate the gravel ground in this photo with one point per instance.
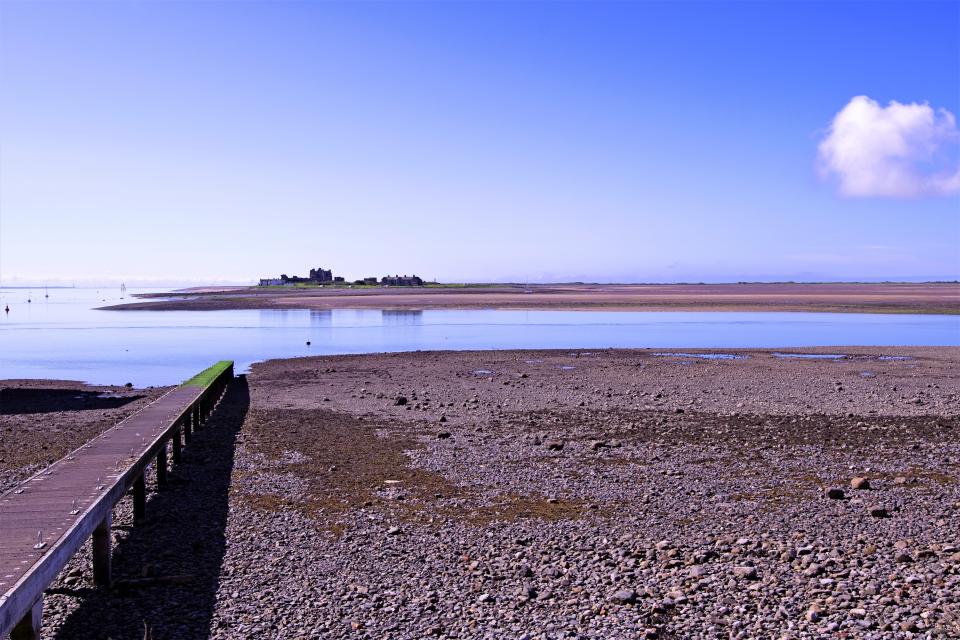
(612, 494)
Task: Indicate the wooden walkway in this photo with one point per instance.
(47, 518)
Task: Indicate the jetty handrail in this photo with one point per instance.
(21, 603)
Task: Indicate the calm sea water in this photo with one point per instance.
(63, 337)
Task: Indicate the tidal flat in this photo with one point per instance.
(547, 494)
(915, 298)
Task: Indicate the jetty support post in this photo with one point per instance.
(139, 499)
(162, 465)
(176, 443)
(29, 626)
(187, 432)
(101, 553)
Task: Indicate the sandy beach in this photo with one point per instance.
(545, 494)
(842, 298)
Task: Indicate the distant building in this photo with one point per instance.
(321, 275)
(324, 276)
(317, 276)
(401, 281)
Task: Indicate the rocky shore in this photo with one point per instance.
(505, 494)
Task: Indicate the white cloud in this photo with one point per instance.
(901, 150)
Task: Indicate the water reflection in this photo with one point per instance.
(321, 318)
(401, 316)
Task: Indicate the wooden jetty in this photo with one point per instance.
(45, 520)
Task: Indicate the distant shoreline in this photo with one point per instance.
(917, 298)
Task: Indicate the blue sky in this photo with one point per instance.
(200, 141)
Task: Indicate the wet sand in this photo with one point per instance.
(845, 298)
(547, 494)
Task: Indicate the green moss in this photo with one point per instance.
(208, 375)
